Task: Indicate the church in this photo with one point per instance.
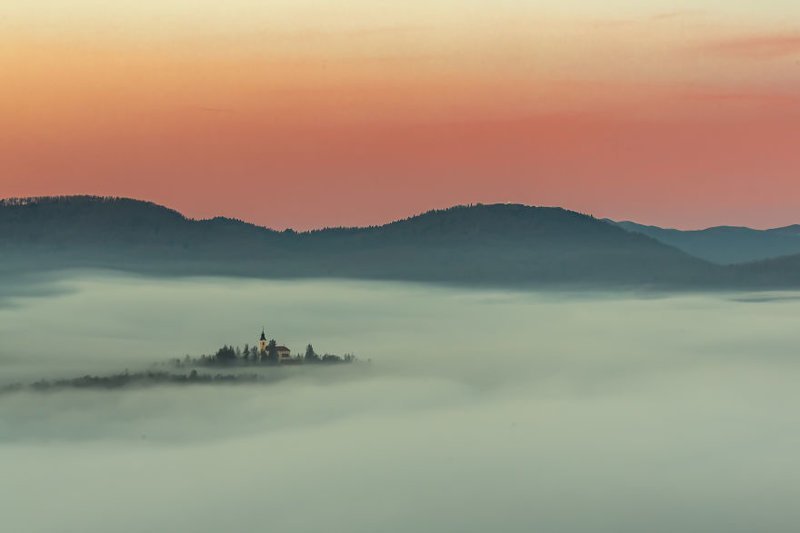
(284, 354)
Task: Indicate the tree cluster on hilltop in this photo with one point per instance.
(250, 356)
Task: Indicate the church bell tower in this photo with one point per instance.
(262, 343)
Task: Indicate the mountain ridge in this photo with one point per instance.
(480, 244)
(503, 244)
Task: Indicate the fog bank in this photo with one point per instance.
(481, 410)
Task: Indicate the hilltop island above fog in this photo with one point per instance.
(498, 245)
(233, 360)
(267, 352)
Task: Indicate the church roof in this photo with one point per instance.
(263, 336)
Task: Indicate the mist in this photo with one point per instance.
(470, 411)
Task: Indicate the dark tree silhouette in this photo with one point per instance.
(272, 351)
(226, 354)
(311, 355)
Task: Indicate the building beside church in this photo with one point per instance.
(283, 353)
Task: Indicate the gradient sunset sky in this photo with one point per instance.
(308, 113)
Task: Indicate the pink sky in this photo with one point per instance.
(297, 115)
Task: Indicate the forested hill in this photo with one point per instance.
(502, 244)
(726, 244)
(778, 273)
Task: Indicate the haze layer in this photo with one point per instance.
(480, 411)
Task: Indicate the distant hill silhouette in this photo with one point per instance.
(778, 273)
(503, 244)
(726, 244)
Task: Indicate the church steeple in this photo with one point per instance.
(262, 343)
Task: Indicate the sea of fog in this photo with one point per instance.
(478, 411)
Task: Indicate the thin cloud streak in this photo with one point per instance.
(680, 13)
(757, 47)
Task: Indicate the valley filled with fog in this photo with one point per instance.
(470, 411)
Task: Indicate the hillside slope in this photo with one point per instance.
(726, 244)
(778, 273)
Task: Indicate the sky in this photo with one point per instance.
(308, 113)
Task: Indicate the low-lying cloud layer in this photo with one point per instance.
(481, 411)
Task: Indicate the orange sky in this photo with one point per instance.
(296, 113)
